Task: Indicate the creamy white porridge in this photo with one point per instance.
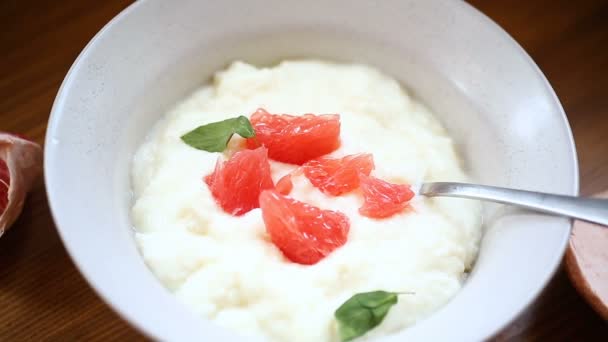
(226, 269)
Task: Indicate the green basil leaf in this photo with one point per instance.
(362, 312)
(214, 137)
(243, 127)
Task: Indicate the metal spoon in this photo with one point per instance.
(592, 210)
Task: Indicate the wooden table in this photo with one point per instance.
(42, 295)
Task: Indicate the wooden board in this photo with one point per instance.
(42, 295)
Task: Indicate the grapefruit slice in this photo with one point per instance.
(236, 184)
(338, 176)
(5, 181)
(383, 199)
(295, 139)
(20, 164)
(304, 233)
(284, 185)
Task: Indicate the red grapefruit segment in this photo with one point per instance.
(5, 181)
(236, 184)
(295, 139)
(284, 185)
(383, 199)
(338, 176)
(20, 165)
(304, 233)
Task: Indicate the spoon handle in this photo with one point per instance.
(592, 210)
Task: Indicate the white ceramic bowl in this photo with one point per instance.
(495, 102)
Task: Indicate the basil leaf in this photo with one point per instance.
(214, 137)
(243, 127)
(362, 312)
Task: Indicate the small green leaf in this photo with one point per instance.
(244, 128)
(214, 137)
(362, 312)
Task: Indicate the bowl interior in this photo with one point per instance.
(505, 118)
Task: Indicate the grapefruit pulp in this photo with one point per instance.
(5, 181)
(304, 233)
(236, 184)
(295, 139)
(383, 199)
(338, 176)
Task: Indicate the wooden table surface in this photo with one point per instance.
(42, 295)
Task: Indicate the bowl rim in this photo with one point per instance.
(133, 320)
(532, 296)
